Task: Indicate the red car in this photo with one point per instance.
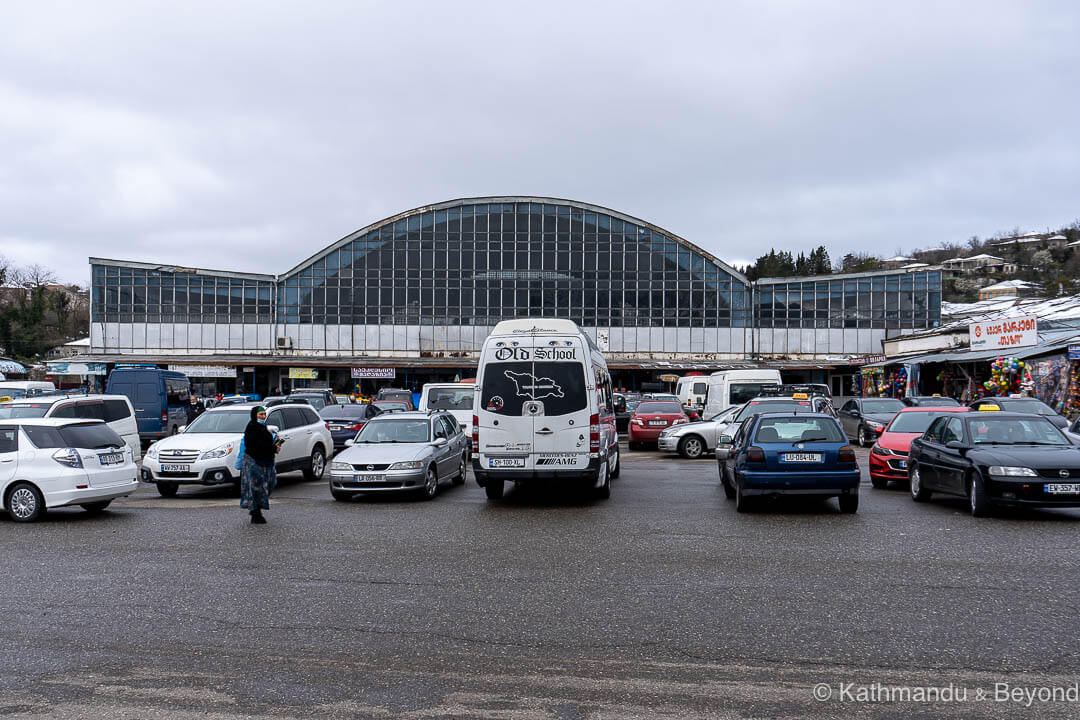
(888, 456)
(653, 417)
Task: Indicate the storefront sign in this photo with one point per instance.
(303, 374)
(249, 369)
(76, 368)
(865, 359)
(205, 371)
(373, 373)
(1074, 352)
(1005, 333)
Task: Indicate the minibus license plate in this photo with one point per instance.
(506, 462)
(800, 457)
(111, 458)
(175, 468)
(1063, 488)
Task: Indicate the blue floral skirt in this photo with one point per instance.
(256, 483)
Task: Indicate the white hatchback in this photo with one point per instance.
(56, 462)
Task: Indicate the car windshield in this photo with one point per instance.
(739, 393)
(882, 406)
(631, 405)
(343, 411)
(756, 407)
(1015, 431)
(665, 398)
(912, 422)
(97, 436)
(936, 402)
(796, 429)
(24, 410)
(404, 430)
(450, 399)
(316, 401)
(220, 421)
(660, 408)
(389, 406)
(1032, 406)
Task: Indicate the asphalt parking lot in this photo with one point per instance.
(660, 602)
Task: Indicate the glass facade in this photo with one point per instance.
(476, 264)
(126, 294)
(897, 301)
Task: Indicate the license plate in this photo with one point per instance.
(337, 427)
(1063, 488)
(506, 462)
(111, 458)
(368, 478)
(175, 468)
(800, 457)
(658, 422)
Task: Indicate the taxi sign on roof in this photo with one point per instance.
(800, 396)
(989, 408)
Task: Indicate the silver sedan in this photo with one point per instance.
(693, 440)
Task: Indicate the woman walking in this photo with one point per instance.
(257, 474)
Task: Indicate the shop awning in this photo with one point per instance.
(10, 366)
(1057, 342)
(63, 367)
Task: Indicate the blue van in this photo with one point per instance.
(160, 398)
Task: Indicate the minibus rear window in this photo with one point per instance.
(559, 386)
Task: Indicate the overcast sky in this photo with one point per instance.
(248, 135)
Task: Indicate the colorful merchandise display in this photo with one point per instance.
(1007, 375)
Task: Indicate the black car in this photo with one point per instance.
(863, 419)
(930, 401)
(1029, 405)
(995, 458)
(346, 420)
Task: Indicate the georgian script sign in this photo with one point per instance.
(1004, 333)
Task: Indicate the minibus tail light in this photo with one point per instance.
(164, 417)
(475, 434)
(594, 433)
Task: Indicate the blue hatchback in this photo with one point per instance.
(777, 454)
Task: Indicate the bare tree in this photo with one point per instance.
(36, 275)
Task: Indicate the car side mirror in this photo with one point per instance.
(350, 442)
(181, 429)
(957, 445)
(273, 428)
(441, 440)
(725, 440)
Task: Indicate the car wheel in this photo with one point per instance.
(864, 437)
(980, 503)
(729, 491)
(316, 465)
(618, 465)
(340, 496)
(460, 477)
(743, 504)
(431, 484)
(602, 488)
(95, 507)
(25, 503)
(691, 447)
(918, 492)
(493, 489)
(849, 503)
(167, 489)
(879, 483)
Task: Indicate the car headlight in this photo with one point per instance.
(878, 450)
(410, 465)
(874, 425)
(1012, 471)
(218, 452)
(152, 452)
(340, 467)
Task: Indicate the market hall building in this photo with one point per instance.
(413, 297)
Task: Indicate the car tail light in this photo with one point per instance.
(679, 421)
(326, 425)
(69, 457)
(476, 434)
(846, 454)
(755, 454)
(357, 427)
(637, 421)
(594, 433)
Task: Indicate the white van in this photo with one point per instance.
(454, 398)
(25, 388)
(692, 390)
(115, 410)
(544, 408)
(734, 387)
